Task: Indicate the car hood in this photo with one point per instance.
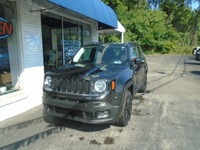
(86, 71)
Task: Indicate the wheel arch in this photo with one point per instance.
(130, 87)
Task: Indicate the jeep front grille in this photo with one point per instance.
(67, 85)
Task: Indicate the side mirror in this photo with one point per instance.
(139, 61)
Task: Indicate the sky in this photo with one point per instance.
(195, 5)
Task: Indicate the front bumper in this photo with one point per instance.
(93, 111)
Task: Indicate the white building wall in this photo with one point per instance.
(30, 35)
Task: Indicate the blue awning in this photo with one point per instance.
(93, 9)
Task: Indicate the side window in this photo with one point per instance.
(133, 52)
(140, 52)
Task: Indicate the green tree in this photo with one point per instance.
(194, 34)
(171, 27)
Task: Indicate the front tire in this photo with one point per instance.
(126, 110)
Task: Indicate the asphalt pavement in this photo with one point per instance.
(167, 117)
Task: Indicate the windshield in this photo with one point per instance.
(102, 54)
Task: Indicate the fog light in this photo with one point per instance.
(103, 114)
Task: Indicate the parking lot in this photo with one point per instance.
(166, 117)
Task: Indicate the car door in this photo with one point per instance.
(142, 66)
(134, 67)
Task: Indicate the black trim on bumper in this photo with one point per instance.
(83, 111)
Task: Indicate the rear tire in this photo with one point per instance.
(126, 110)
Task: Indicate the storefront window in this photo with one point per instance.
(62, 37)
(8, 48)
(70, 41)
(4, 56)
(85, 34)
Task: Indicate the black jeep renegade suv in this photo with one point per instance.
(97, 85)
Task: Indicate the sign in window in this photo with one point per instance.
(6, 28)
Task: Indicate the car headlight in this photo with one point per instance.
(100, 86)
(47, 83)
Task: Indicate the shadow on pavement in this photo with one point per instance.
(84, 126)
(195, 72)
(193, 63)
(32, 139)
(51, 129)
